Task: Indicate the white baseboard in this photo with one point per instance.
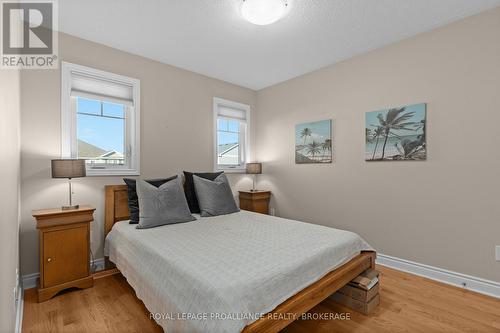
(483, 286)
(19, 310)
(29, 280)
(98, 264)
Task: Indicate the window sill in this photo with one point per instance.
(235, 171)
(112, 173)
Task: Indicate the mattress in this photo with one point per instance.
(219, 274)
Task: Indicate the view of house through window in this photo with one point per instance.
(100, 120)
(100, 132)
(231, 122)
(228, 139)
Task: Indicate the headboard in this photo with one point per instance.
(115, 205)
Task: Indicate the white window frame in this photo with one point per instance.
(218, 102)
(69, 142)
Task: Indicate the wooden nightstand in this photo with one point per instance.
(255, 201)
(64, 249)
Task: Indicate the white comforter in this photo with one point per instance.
(217, 274)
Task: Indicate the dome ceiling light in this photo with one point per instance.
(263, 12)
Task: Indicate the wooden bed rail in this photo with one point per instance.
(311, 296)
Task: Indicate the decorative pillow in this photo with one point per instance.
(133, 203)
(189, 188)
(162, 205)
(214, 197)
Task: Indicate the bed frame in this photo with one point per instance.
(116, 206)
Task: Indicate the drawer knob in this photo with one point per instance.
(49, 259)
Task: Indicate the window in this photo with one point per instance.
(100, 120)
(231, 139)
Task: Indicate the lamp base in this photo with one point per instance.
(70, 207)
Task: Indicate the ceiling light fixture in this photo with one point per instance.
(263, 12)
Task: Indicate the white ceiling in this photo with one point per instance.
(210, 36)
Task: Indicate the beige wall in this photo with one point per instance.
(442, 212)
(176, 131)
(9, 196)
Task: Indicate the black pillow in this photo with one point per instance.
(189, 191)
(133, 201)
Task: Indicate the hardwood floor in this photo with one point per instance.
(109, 306)
(408, 304)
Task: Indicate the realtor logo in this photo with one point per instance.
(29, 34)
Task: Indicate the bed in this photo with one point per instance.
(238, 272)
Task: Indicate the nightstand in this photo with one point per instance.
(64, 249)
(255, 201)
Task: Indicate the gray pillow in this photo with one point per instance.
(215, 197)
(162, 205)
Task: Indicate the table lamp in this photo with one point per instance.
(254, 169)
(68, 168)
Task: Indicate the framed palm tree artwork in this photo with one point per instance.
(396, 134)
(313, 142)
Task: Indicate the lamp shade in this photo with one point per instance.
(254, 168)
(68, 168)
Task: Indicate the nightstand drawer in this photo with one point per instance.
(65, 254)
